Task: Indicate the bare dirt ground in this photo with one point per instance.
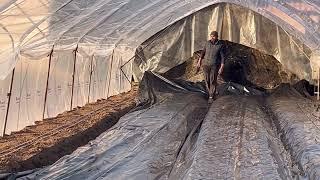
(49, 140)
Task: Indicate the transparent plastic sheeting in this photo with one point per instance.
(178, 42)
(4, 89)
(170, 140)
(82, 79)
(28, 103)
(32, 27)
(107, 32)
(60, 84)
(298, 122)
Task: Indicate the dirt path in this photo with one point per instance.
(47, 141)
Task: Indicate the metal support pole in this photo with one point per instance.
(8, 106)
(125, 75)
(47, 85)
(73, 75)
(91, 70)
(110, 73)
(120, 77)
(318, 88)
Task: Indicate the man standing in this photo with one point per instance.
(212, 61)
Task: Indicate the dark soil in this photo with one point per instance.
(71, 130)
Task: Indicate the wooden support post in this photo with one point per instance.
(8, 106)
(47, 84)
(120, 76)
(318, 88)
(91, 70)
(73, 75)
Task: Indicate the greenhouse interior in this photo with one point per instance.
(109, 89)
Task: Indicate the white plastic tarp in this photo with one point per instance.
(4, 90)
(118, 80)
(126, 74)
(100, 76)
(60, 83)
(29, 29)
(31, 78)
(32, 27)
(81, 80)
(107, 77)
(176, 43)
(28, 92)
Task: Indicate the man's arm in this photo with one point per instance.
(222, 56)
(201, 56)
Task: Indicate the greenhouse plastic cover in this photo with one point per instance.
(31, 27)
(66, 53)
(173, 137)
(173, 134)
(66, 80)
(176, 43)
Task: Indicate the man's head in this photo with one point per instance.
(214, 35)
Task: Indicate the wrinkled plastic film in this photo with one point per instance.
(235, 24)
(29, 29)
(297, 121)
(121, 70)
(166, 50)
(60, 83)
(4, 98)
(82, 77)
(99, 79)
(143, 144)
(66, 23)
(235, 141)
(28, 92)
(30, 84)
(173, 137)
